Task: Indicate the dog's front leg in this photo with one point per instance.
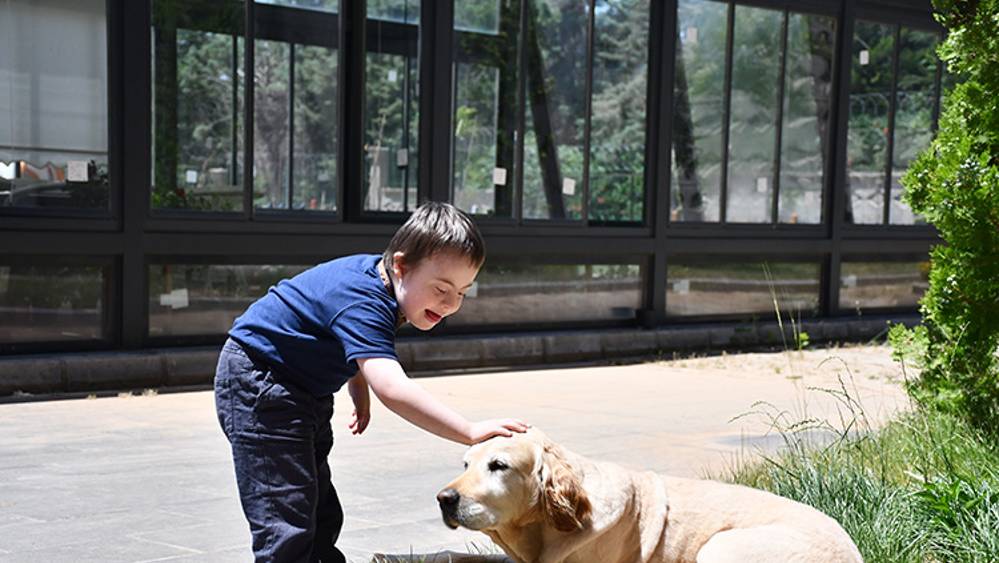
(557, 550)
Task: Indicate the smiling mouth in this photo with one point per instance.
(432, 316)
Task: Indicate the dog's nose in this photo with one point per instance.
(448, 497)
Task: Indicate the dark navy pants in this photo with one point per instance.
(281, 440)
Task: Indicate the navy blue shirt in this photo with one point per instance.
(314, 327)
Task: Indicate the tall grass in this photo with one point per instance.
(925, 487)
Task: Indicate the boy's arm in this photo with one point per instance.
(358, 389)
(409, 400)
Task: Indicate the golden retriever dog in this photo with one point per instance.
(543, 504)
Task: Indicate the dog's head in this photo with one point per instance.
(515, 481)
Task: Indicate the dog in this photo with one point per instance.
(543, 504)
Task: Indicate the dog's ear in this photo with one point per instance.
(563, 500)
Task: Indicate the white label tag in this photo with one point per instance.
(473, 291)
(865, 57)
(681, 287)
(850, 281)
(499, 176)
(402, 158)
(176, 299)
(78, 171)
(761, 185)
(393, 75)
(191, 177)
(568, 186)
(7, 170)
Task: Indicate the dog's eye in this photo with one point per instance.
(497, 465)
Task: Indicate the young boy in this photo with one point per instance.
(330, 325)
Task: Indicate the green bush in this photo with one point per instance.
(955, 185)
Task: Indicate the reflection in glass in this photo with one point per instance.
(914, 98)
(872, 285)
(315, 107)
(322, 5)
(556, 108)
(509, 293)
(271, 124)
(867, 135)
(751, 288)
(390, 132)
(44, 303)
(197, 106)
(617, 123)
(805, 120)
(477, 15)
(53, 104)
(203, 299)
(485, 111)
(752, 124)
(698, 110)
(403, 11)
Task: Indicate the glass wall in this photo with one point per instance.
(517, 293)
(733, 286)
(54, 105)
(204, 299)
(45, 301)
(757, 152)
(893, 94)
(882, 284)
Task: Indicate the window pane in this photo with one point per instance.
(805, 131)
(404, 11)
(390, 132)
(728, 288)
(203, 299)
(617, 124)
(485, 114)
(477, 15)
(864, 285)
(323, 5)
(314, 157)
(914, 97)
(41, 303)
(698, 110)
(509, 293)
(752, 126)
(271, 124)
(197, 105)
(53, 104)
(867, 142)
(556, 108)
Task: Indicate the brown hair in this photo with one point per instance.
(435, 227)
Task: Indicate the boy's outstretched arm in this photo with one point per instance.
(409, 400)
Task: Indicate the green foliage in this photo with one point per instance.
(955, 186)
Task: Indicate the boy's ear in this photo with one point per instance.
(399, 264)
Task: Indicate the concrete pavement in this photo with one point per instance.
(149, 478)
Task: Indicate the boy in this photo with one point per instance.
(330, 325)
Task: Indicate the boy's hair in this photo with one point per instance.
(435, 227)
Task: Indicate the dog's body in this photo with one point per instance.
(542, 504)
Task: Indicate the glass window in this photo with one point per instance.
(271, 124)
(617, 122)
(403, 11)
(753, 121)
(867, 136)
(756, 288)
(323, 5)
(811, 42)
(698, 110)
(477, 15)
(197, 59)
(315, 142)
(485, 109)
(556, 108)
(43, 302)
(914, 99)
(53, 104)
(517, 293)
(391, 109)
(204, 299)
(874, 285)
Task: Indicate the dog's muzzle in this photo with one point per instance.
(448, 500)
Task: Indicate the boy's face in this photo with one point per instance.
(432, 289)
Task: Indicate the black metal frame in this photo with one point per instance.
(130, 236)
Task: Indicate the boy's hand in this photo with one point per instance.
(358, 388)
(485, 429)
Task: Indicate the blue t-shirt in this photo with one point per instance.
(314, 327)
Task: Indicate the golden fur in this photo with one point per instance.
(543, 504)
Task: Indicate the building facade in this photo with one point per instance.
(632, 163)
